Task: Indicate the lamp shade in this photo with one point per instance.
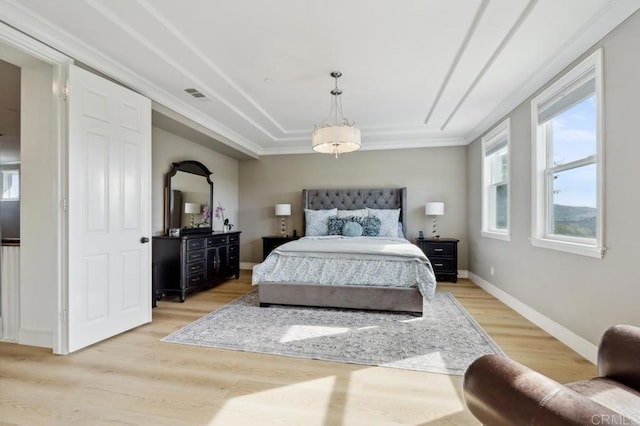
(191, 208)
(434, 209)
(283, 209)
(335, 139)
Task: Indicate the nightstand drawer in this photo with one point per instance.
(443, 265)
(439, 249)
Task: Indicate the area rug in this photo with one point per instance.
(446, 339)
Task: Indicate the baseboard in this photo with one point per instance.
(247, 265)
(585, 348)
(35, 337)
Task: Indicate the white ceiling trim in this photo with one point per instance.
(591, 33)
(216, 69)
(516, 26)
(18, 16)
(461, 50)
(202, 87)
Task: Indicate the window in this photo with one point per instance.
(567, 161)
(10, 185)
(495, 182)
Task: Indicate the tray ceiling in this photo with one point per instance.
(415, 73)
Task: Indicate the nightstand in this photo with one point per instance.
(271, 242)
(443, 255)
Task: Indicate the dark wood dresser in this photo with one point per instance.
(189, 263)
(443, 255)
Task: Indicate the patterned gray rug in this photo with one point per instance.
(445, 340)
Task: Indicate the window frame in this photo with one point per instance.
(499, 132)
(542, 174)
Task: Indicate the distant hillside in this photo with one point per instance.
(575, 221)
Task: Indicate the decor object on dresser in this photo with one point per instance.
(446, 339)
(192, 209)
(339, 136)
(434, 209)
(443, 254)
(188, 186)
(358, 272)
(271, 242)
(192, 262)
(283, 210)
(500, 391)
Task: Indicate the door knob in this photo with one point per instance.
(144, 240)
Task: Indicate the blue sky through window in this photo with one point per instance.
(574, 138)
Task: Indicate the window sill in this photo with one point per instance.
(496, 235)
(568, 247)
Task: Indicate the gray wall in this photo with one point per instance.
(169, 148)
(583, 294)
(430, 174)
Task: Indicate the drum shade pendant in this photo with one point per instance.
(337, 136)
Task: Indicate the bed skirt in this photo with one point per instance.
(352, 297)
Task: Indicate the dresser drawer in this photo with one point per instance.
(195, 244)
(195, 267)
(234, 249)
(233, 260)
(195, 279)
(443, 265)
(192, 256)
(234, 238)
(439, 249)
(216, 241)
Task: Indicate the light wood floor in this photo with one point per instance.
(135, 379)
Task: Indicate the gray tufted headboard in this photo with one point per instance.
(358, 198)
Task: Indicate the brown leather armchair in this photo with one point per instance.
(500, 391)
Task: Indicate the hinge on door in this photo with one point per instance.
(65, 91)
(64, 204)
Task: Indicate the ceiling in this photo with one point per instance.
(416, 73)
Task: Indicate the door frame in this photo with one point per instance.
(59, 63)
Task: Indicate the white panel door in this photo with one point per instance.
(109, 209)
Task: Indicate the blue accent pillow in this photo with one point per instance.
(370, 225)
(352, 229)
(317, 221)
(389, 219)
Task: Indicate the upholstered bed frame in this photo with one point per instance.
(356, 297)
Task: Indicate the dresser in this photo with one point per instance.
(185, 264)
(443, 255)
(271, 242)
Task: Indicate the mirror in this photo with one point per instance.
(189, 194)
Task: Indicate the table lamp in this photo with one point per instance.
(192, 209)
(434, 209)
(283, 210)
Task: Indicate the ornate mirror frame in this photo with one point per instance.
(196, 168)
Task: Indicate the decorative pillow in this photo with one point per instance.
(370, 225)
(335, 225)
(347, 213)
(389, 221)
(352, 229)
(317, 221)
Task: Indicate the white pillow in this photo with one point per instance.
(356, 213)
(388, 221)
(317, 221)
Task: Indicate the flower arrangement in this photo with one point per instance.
(206, 215)
(226, 225)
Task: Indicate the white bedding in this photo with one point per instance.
(337, 260)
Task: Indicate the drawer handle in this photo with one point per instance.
(437, 249)
(196, 279)
(438, 264)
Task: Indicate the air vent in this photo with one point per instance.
(195, 93)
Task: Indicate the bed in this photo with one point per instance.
(384, 272)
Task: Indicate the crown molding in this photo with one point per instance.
(22, 19)
(591, 33)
